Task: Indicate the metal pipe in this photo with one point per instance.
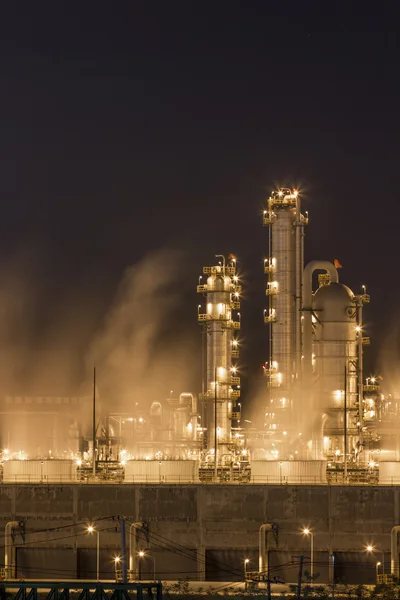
(394, 555)
(9, 563)
(314, 265)
(263, 557)
(132, 548)
(299, 277)
(345, 425)
(215, 428)
(94, 423)
(360, 376)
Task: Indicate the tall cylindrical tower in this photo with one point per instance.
(335, 352)
(284, 268)
(221, 383)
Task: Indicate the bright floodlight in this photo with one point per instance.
(141, 554)
(306, 531)
(246, 560)
(117, 559)
(370, 548)
(90, 529)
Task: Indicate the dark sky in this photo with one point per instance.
(132, 126)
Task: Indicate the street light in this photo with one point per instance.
(91, 529)
(378, 564)
(117, 560)
(307, 531)
(246, 562)
(371, 548)
(144, 555)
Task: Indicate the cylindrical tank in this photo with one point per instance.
(288, 471)
(389, 473)
(222, 298)
(335, 350)
(39, 471)
(285, 269)
(163, 471)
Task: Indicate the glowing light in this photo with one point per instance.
(373, 379)
(234, 343)
(280, 193)
(370, 548)
(79, 462)
(246, 561)
(6, 451)
(285, 433)
(117, 559)
(140, 419)
(90, 529)
(141, 554)
(372, 464)
(337, 452)
(306, 531)
(235, 278)
(357, 328)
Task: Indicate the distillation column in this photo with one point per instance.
(284, 268)
(222, 385)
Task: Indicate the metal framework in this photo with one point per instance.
(79, 590)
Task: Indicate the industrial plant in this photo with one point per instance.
(322, 456)
(323, 421)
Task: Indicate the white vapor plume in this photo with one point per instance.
(141, 353)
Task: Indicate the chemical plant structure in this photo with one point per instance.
(320, 420)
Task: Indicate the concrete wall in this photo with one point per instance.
(198, 531)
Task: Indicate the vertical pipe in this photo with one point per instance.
(215, 428)
(94, 422)
(123, 549)
(299, 272)
(394, 551)
(345, 424)
(98, 556)
(360, 376)
(333, 576)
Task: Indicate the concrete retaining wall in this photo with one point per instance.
(198, 531)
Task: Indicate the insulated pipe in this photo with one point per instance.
(314, 265)
(394, 551)
(299, 285)
(9, 563)
(263, 547)
(132, 549)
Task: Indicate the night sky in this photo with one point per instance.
(130, 127)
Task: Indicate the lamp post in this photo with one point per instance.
(117, 560)
(91, 529)
(378, 564)
(245, 562)
(371, 548)
(307, 531)
(144, 555)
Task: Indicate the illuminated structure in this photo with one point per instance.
(284, 268)
(319, 417)
(221, 382)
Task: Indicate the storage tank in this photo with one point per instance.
(336, 366)
(39, 471)
(389, 473)
(161, 471)
(288, 471)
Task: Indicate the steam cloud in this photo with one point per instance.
(141, 354)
